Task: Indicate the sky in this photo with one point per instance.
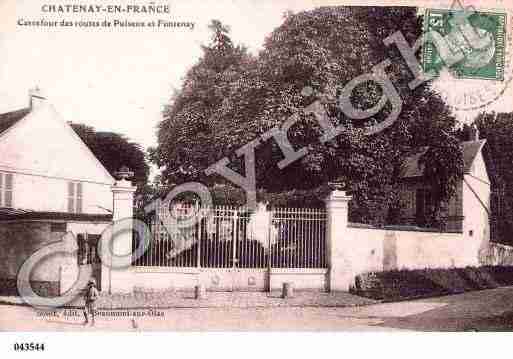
(119, 79)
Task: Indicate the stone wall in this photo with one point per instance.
(54, 275)
(364, 250)
(19, 240)
(8, 287)
(214, 279)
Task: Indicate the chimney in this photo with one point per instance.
(36, 98)
(473, 133)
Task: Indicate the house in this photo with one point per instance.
(467, 211)
(50, 184)
(45, 166)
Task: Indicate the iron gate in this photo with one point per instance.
(235, 245)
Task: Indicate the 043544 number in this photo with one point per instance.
(29, 347)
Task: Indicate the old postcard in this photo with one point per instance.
(255, 166)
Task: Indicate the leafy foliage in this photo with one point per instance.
(114, 150)
(186, 133)
(423, 283)
(230, 98)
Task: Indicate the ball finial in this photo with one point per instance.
(124, 173)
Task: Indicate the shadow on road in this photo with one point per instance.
(489, 310)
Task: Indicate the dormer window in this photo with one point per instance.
(74, 197)
(6, 190)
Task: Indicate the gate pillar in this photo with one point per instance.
(119, 280)
(340, 272)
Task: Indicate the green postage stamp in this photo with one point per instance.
(470, 44)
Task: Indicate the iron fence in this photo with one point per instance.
(300, 238)
(236, 237)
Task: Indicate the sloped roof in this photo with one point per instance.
(10, 214)
(7, 120)
(411, 167)
(13, 119)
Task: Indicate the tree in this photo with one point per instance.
(185, 135)
(114, 150)
(325, 49)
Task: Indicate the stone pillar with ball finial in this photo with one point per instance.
(123, 209)
(339, 253)
(123, 194)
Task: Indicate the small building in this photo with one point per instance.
(467, 211)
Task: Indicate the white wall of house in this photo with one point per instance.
(40, 193)
(476, 204)
(44, 154)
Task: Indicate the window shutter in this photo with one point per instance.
(71, 197)
(79, 197)
(8, 189)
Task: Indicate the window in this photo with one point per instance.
(6, 189)
(87, 248)
(75, 197)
